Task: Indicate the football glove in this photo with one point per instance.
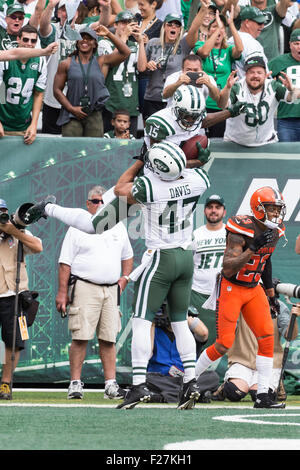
(203, 154)
(237, 108)
(274, 306)
(262, 240)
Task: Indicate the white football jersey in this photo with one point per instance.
(255, 126)
(209, 246)
(168, 207)
(163, 126)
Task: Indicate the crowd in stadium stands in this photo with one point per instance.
(128, 52)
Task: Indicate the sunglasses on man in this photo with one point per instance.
(31, 40)
(17, 17)
(96, 201)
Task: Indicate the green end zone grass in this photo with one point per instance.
(48, 421)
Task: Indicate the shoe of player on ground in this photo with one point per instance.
(113, 391)
(264, 401)
(137, 394)
(188, 396)
(35, 212)
(5, 391)
(75, 390)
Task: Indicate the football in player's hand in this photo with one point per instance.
(190, 146)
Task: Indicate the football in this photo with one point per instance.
(190, 148)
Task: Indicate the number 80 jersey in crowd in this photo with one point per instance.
(168, 207)
(251, 272)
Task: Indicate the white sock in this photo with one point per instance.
(186, 347)
(264, 367)
(141, 349)
(202, 363)
(110, 381)
(78, 218)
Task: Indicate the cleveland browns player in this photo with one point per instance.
(250, 242)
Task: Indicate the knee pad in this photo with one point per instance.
(232, 392)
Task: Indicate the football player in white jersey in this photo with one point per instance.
(261, 96)
(209, 242)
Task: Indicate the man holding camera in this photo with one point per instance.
(10, 237)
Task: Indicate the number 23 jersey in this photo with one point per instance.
(250, 274)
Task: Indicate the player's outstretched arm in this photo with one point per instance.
(124, 185)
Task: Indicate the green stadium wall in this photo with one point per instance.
(68, 168)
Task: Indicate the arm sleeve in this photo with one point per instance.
(267, 275)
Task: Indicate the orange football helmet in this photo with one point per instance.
(261, 198)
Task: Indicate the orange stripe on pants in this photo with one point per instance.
(254, 305)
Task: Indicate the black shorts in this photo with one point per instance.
(7, 308)
(151, 107)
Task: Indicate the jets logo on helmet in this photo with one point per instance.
(189, 107)
(259, 202)
(166, 160)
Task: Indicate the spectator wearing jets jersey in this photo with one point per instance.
(209, 241)
(252, 24)
(122, 79)
(261, 96)
(288, 115)
(25, 82)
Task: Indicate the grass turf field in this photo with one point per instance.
(48, 421)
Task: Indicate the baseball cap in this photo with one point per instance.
(254, 14)
(125, 15)
(89, 31)
(215, 198)
(14, 8)
(3, 204)
(257, 61)
(62, 3)
(295, 35)
(173, 17)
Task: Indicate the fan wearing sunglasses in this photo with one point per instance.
(25, 82)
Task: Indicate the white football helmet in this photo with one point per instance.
(189, 107)
(166, 160)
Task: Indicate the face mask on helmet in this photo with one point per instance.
(166, 160)
(189, 107)
(268, 207)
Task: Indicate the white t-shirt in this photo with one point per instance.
(173, 79)
(94, 257)
(209, 246)
(251, 48)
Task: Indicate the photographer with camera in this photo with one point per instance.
(84, 73)
(12, 236)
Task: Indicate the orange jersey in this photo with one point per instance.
(246, 226)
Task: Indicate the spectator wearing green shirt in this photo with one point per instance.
(217, 59)
(288, 115)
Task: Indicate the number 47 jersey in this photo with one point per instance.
(250, 274)
(168, 207)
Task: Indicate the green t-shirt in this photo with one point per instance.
(219, 65)
(7, 41)
(291, 66)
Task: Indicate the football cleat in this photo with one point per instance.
(189, 395)
(263, 400)
(137, 394)
(37, 211)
